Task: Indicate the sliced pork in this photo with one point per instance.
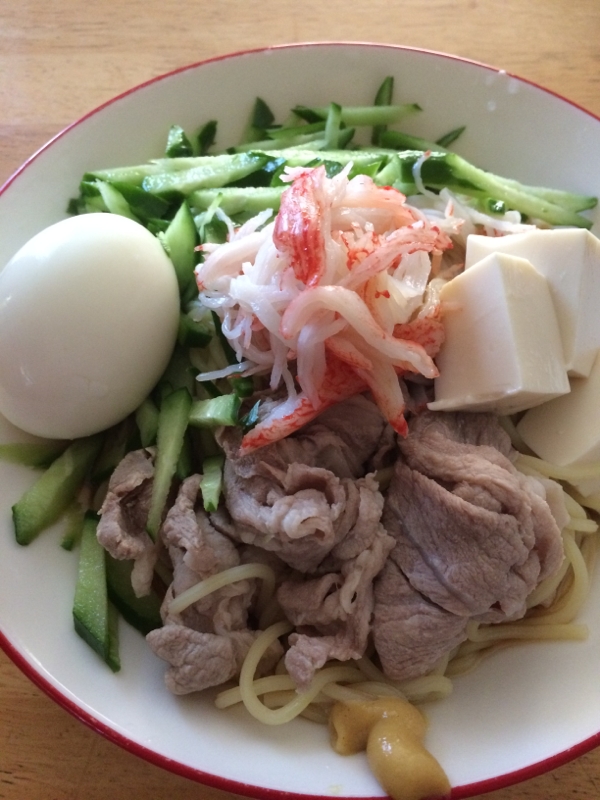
(200, 660)
(124, 513)
(332, 614)
(473, 536)
(307, 500)
(297, 497)
(207, 642)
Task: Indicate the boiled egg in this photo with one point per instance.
(89, 309)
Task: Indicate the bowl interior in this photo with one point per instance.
(525, 707)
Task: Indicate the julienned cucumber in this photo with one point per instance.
(172, 424)
(211, 413)
(54, 491)
(179, 241)
(33, 454)
(141, 612)
(94, 616)
(211, 483)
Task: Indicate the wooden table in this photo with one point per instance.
(61, 58)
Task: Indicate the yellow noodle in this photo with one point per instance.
(271, 683)
(572, 473)
(303, 699)
(522, 631)
(592, 501)
(372, 672)
(582, 525)
(432, 686)
(468, 659)
(345, 694)
(380, 689)
(574, 509)
(224, 578)
(547, 589)
(589, 551)
(426, 688)
(300, 701)
(568, 605)
(515, 437)
(279, 699)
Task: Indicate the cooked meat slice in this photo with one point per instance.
(462, 557)
(123, 516)
(197, 551)
(332, 613)
(364, 505)
(474, 536)
(411, 634)
(296, 497)
(200, 660)
(342, 440)
(298, 514)
(206, 551)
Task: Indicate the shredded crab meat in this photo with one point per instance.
(333, 297)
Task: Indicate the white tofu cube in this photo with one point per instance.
(502, 351)
(569, 259)
(566, 431)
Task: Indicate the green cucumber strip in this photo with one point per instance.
(215, 411)
(206, 136)
(53, 492)
(332, 126)
(216, 171)
(236, 200)
(286, 131)
(91, 613)
(228, 350)
(133, 175)
(449, 138)
(117, 442)
(185, 462)
(33, 454)
(113, 659)
(178, 144)
(114, 201)
(449, 169)
(146, 417)
(364, 115)
(404, 141)
(143, 613)
(172, 425)
(192, 333)
(268, 175)
(211, 483)
(179, 241)
(261, 117)
(180, 372)
(243, 387)
(574, 202)
(382, 98)
(144, 205)
(315, 138)
(74, 517)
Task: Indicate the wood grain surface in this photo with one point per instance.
(60, 59)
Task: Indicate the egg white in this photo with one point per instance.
(89, 309)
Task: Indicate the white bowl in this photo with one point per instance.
(524, 710)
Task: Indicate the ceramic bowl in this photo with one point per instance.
(526, 709)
